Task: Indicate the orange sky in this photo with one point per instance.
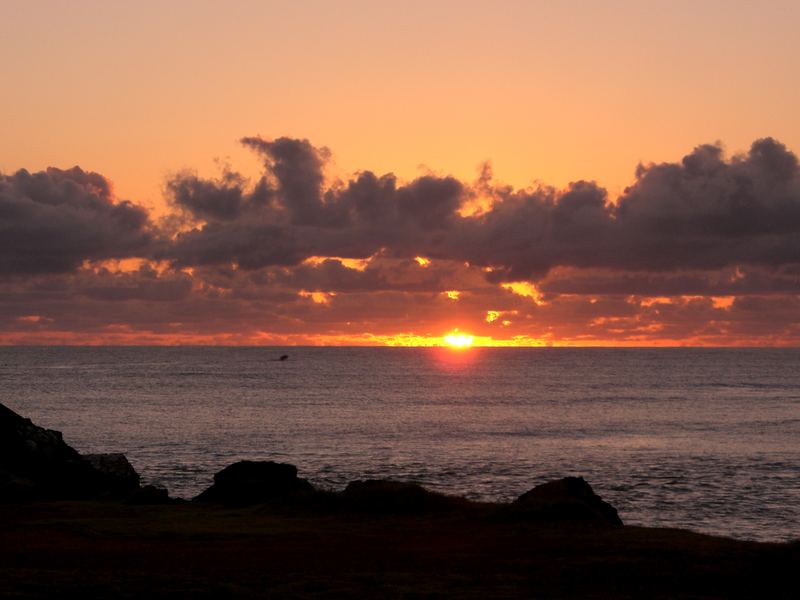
(548, 91)
(145, 94)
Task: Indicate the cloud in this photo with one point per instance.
(702, 213)
(220, 200)
(143, 284)
(297, 167)
(710, 213)
(52, 221)
(288, 217)
(728, 281)
(250, 257)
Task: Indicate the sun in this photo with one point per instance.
(458, 340)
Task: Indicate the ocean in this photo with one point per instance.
(702, 439)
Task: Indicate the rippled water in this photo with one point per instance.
(705, 439)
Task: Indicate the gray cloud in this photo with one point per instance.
(705, 212)
(142, 284)
(297, 167)
(52, 221)
(728, 281)
(700, 227)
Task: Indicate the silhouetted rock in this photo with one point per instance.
(254, 482)
(118, 474)
(36, 463)
(151, 494)
(383, 496)
(568, 499)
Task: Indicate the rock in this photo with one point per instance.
(255, 482)
(36, 463)
(568, 499)
(118, 474)
(39, 460)
(384, 496)
(151, 495)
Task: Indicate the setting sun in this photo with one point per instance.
(458, 340)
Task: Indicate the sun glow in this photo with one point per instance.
(458, 340)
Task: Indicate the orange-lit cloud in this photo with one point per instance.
(317, 297)
(358, 264)
(524, 288)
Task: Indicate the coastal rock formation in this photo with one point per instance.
(568, 499)
(36, 463)
(254, 482)
(117, 473)
(397, 497)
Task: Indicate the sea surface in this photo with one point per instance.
(704, 439)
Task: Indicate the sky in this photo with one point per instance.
(528, 173)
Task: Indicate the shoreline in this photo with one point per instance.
(76, 525)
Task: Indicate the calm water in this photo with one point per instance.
(701, 439)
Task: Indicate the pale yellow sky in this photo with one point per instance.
(545, 91)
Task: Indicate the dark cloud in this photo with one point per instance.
(729, 281)
(143, 284)
(297, 167)
(709, 213)
(250, 245)
(207, 199)
(52, 221)
(279, 251)
(702, 213)
(288, 216)
(380, 273)
(525, 234)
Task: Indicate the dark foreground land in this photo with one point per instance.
(97, 549)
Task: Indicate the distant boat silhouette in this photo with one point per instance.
(284, 357)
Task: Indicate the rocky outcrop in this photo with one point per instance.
(395, 497)
(36, 463)
(568, 499)
(255, 482)
(117, 474)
